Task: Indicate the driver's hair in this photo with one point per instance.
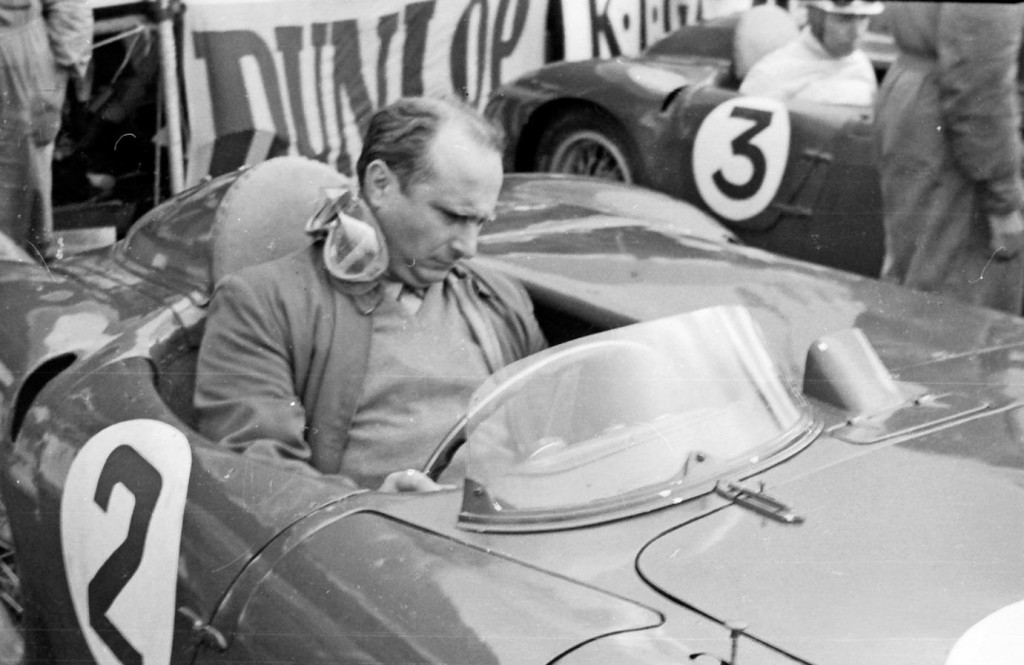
(400, 135)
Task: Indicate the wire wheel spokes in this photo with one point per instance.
(592, 154)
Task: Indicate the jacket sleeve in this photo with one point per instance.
(245, 393)
(978, 50)
(69, 24)
(760, 80)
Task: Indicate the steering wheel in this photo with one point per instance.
(445, 451)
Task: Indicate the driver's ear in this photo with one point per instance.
(378, 182)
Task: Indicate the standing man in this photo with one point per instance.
(357, 354)
(824, 64)
(948, 132)
(43, 43)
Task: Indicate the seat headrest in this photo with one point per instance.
(759, 31)
(263, 214)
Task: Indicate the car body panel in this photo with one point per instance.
(427, 598)
(875, 589)
(229, 515)
(827, 201)
(277, 564)
(633, 270)
(68, 317)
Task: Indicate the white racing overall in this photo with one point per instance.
(41, 44)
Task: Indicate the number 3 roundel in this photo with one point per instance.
(740, 154)
(120, 525)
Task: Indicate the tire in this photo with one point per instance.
(12, 638)
(584, 142)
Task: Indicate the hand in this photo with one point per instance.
(410, 480)
(1007, 235)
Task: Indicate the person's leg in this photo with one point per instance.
(15, 137)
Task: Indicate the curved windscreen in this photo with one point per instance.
(175, 236)
(625, 418)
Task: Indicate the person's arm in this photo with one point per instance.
(780, 73)
(759, 81)
(69, 24)
(245, 391)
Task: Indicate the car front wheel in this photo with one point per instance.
(583, 142)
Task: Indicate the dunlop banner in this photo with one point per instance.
(270, 77)
(610, 28)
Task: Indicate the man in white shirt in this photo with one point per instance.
(824, 64)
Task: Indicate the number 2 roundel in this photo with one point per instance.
(740, 154)
(120, 524)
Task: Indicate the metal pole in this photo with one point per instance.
(172, 95)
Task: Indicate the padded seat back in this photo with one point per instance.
(759, 31)
(263, 215)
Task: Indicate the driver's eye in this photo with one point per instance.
(457, 218)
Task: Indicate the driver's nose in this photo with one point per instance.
(465, 241)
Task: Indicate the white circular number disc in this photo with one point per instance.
(121, 515)
(998, 639)
(740, 154)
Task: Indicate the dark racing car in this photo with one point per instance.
(725, 457)
(800, 179)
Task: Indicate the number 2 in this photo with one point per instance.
(121, 518)
(129, 468)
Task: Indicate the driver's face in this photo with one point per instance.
(434, 223)
(842, 33)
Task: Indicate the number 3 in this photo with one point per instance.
(740, 154)
(741, 145)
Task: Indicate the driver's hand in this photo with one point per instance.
(1007, 235)
(410, 480)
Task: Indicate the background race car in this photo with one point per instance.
(799, 180)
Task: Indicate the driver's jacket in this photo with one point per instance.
(285, 352)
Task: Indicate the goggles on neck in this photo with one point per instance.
(354, 249)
